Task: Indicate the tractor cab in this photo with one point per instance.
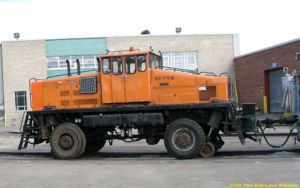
(126, 76)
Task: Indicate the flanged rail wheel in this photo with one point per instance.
(67, 141)
(208, 150)
(184, 138)
(94, 146)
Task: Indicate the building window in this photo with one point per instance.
(59, 63)
(297, 56)
(183, 60)
(21, 101)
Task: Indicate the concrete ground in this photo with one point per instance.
(140, 165)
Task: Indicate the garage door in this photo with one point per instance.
(275, 90)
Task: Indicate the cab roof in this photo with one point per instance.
(127, 53)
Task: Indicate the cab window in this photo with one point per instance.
(158, 62)
(151, 61)
(155, 61)
(130, 66)
(141, 61)
(117, 65)
(106, 65)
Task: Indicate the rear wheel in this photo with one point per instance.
(67, 141)
(94, 146)
(184, 138)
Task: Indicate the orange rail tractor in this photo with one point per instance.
(131, 97)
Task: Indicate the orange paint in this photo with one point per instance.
(129, 79)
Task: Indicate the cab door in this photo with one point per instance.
(106, 80)
(117, 81)
(137, 79)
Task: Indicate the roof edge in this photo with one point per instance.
(268, 48)
(119, 36)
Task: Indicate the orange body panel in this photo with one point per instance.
(152, 86)
(171, 87)
(117, 89)
(106, 84)
(135, 88)
(63, 93)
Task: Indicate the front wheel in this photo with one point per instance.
(184, 138)
(67, 141)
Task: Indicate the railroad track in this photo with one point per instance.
(227, 153)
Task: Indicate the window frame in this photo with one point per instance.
(189, 59)
(158, 61)
(60, 62)
(24, 96)
(112, 65)
(135, 64)
(297, 56)
(150, 62)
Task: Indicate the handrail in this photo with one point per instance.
(120, 51)
(71, 73)
(231, 82)
(207, 73)
(176, 69)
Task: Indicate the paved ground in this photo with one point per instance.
(140, 165)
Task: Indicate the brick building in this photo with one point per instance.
(258, 74)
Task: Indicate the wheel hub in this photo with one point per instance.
(66, 142)
(183, 140)
(208, 150)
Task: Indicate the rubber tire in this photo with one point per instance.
(192, 126)
(78, 137)
(94, 146)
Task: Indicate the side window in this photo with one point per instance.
(117, 65)
(130, 66)
(151, 61)
(159, 61)
(141, 60)
(106, 66)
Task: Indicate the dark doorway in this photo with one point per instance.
(275, 90)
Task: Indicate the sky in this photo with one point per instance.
(259, 23)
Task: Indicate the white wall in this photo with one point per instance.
(22, 60)
(1, 87)
(215, 52)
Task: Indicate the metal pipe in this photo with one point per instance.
(68, 67)
(78, 66)
(210, 131)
